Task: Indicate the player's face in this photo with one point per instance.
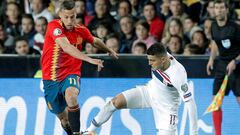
(68, 18)
(220, 11)
(156, 62)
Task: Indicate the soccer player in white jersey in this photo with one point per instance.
(162, 93)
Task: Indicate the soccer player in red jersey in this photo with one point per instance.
(61, 65)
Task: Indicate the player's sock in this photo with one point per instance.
(217, 121)
(74, 119)
(104, 114)
(67, 128)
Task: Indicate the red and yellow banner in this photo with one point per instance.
(218, 99)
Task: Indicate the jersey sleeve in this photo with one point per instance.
(181, 84)
(85, 34)
(55, 30)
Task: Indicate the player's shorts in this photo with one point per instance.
(139, 97)
(233, 81)
(55, 91)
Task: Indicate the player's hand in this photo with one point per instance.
(231, 67)
(209, 67)
(97, 62)
(113, 54)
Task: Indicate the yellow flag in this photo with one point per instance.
(218, 99)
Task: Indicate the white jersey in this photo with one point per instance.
(167, 87)
(163, 94)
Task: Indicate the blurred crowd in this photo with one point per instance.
(126, 26)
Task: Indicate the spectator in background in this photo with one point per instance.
(12, 23)
(198, 38)
(210, 12)
(8, 40)
(124, 9)
(142, 32)
(90, 49)
(102, 30)
(156, 24)
(176, 8)
(22, 48)
(101, 15)
(127, 35)
(175, 45)
(165, 9)
(207, 27)
(139, 48)
(191, 49)
(81, 11)
(39, 8)
(188, 25)
(28, 29)
(112, 42)
(175, 27)
(41, 27)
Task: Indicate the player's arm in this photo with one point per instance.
(186, 93)
(64, 43)
(192, 109)
(98, 43)
(214, 53)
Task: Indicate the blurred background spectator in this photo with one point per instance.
(41, 28)
(179, 24)
(142, 32)
(22, 47)
(139, 48)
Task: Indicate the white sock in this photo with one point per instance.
(103, 116)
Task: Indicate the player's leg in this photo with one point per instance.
(56, 103)
(71, 95)
(63, 117)
(106, 112)
(70, 90)
(133, 98)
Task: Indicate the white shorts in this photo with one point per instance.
(139, 98)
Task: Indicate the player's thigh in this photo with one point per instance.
(54, 99)
(137, 97)
(71, 82)
(166, 132)
(164, 120)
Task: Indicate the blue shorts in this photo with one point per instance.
(55, 92)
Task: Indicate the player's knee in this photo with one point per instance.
(117, 103)
(71, 96)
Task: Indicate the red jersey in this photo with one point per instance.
(56, 64)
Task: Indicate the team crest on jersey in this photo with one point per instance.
(226, 43)
(57, 32)
(184, 87)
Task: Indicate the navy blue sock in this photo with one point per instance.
(74, 118)
(67, 128)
